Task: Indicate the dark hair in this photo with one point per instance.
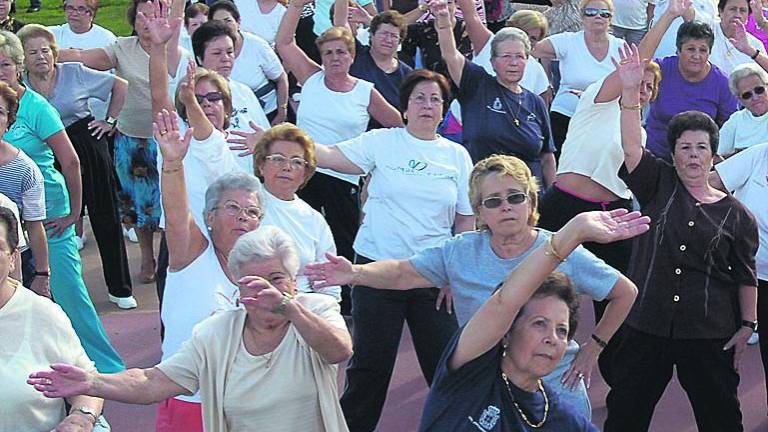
(8, 219)
(130, 13)
(692, 121)
(224, 5)
(420, 75)
(558, 285)
(207, 32)
(194, 11)
(391, 17)
(11, 99)
(694, 30)
(721, 4)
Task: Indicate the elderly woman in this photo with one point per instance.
(194, 16)
(747, 127)
(80, 31)
(255, 63)
(68, 87)
(35, 333)
(733, 45)
(696, 271)
(39, 132)
(499, 100)
(281, 346)
(335, 106)
(490, 376)
(504, 196)
(7, 21)
(690, 81)
(584, 57)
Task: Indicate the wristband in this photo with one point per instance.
(749, 324)
(757, 53)
(43, 273)
(599, 341)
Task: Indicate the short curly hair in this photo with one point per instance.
(504, 165)
(285, 132)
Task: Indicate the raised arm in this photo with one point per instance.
(630, 70)
(444, 27)
(341, 14)
(741, 43)
(478, 33)
(650, 42)
(294, 59)
(386, 274)
(493, 320)
(161, 30)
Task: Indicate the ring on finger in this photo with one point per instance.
(580, 375)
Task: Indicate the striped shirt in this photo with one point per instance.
(22, 182)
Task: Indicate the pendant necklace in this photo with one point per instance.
(520, 411)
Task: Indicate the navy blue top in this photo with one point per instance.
(488, 127)
(474, 398)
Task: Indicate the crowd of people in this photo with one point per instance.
(321, 173)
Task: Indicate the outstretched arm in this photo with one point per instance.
(387, 274)
(630, 69)
(478, 33)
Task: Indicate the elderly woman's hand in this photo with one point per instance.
(62, 380)
(160, 30)
(739, 39)
(582, 366)
(75, 423)
(738, 342)
(678, 7)
(757, 12)
(166, 131)
(439, 9)
(337, 271)
(265, 295)
(604, 226)
(630, 66)
(246, 144)
(187, 85)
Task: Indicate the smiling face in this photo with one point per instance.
(693, 156)
(757, 104)
(5, 9)
(646, 87)
(694, 57)
(509, 61)
(507, 219)
(283, 178)
(219, 55)
(38, 56)
(226, 227)
(3, 115)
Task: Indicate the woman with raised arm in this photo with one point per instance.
(335, 106)
(695, 270)
(490, 376)
(501, 100)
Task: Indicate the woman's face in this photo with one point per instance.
(386, 39)
(756, 100)
(237, 213)
(146, 9)
(9, 72)
(3, 115)
(507, 219)
(285, 169)
(646, 87)
(195, 22)
(38, 56)
(537, 341)
(219, 56)
(214, 109)
(79, 15)
(425, 105)
(226, 17)
(693, 155)
(600, 19)
(509, 62)
(694, 56)
(734, 11)
(5, 9)
(336, 57)
(535, 34)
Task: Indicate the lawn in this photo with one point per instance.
(111, 15)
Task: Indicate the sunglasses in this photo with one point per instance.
(513, 198)
(210, 97)
(593, 12)
(747, 95)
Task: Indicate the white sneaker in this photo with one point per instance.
(130, 234)
(80, 241)
(753, 339)
(124, 302)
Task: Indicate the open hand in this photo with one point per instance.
(156, 22)
(57, 226)
(166, 132)
(247, 142)
(678, 7)
(629, 66)
(608, 226)
(187, 85)
(62, 380)
(337, 271)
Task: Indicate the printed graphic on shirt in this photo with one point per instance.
(488, 419)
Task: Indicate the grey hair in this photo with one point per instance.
(510, 34)
(265, 243)
(239, 180)
(10, 46)
(744, 71)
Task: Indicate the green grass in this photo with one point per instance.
(111, 15)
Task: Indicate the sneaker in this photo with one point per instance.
(124, 302)
(33, 9)
(130, 234)
(80, 241)
(754, 339)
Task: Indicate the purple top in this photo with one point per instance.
(755, 31)
(710, 95)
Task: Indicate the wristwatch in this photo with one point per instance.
(423, 7)
(750, 324)
(87, 411)
(111, 121)
(280, 309)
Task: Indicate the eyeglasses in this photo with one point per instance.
(513, 198)
(81, 10)
(234, 209)
(210, 97)
(295, 162)
(593, 12)
(422, 100)
(381, 34)
(747, 95)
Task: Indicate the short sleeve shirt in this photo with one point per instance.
(22, 182)
(388, 84)
(132, 64)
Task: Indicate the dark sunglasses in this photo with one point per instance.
(747, 95)
(513, 198)
(210, 97)
(593, 12)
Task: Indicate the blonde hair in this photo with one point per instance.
(32, 31)
(221, 84)
(529, 19)
(608, 3)
(337, 33)
(504, 165)
(655, 69)
(286, 132)
(10, 46)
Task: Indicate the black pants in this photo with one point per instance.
(557, 208)
(100, 198)
(378, 317)
(339, 201)
(161, 274)
(559, 123)
(762, 328)
(643, 368)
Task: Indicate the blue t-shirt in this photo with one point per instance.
(475, 398)
(36, 121)
(488, 127)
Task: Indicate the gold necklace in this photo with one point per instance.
(522, 414)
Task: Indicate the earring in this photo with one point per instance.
(504, 353)
(209, 228)
(237, 302)
(405, 116)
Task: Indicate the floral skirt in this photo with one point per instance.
(136, 166)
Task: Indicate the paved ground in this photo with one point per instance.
(136, 335)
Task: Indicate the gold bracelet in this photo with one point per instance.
(635, 107)
(284, 106)
(172, 167)
(550, 249)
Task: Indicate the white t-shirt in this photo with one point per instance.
(630, 14)
(7, 203)
(185, 40)
(416, 189)
(724, 55)
(578, 67)
(705, 11)
(256, 65)
(742, 130)
(263, 25)
(534, 77)
(746, 174)
(36, 333)
(604, 150)
(330, 117)
(245, 107)
(308, 229)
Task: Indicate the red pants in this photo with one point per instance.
(175, 415)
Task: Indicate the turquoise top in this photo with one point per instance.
(36, 121)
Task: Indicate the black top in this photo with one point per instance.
(689, 266)
(11, 24)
